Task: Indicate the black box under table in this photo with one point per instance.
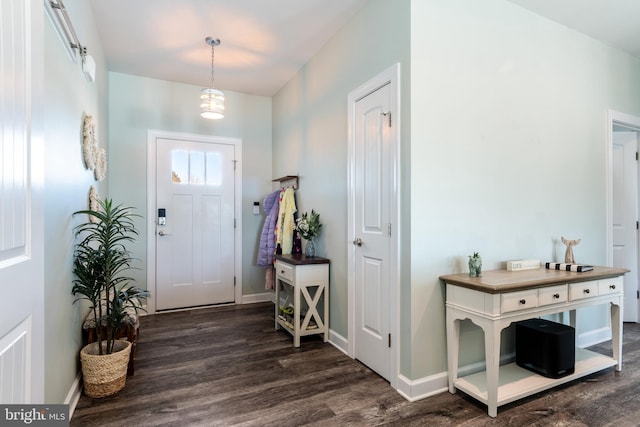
(546, 348)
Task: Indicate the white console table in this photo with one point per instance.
(501, 297)
(305, 283)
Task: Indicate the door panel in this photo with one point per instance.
(195, 247)
(624, 213)
(372, 180)
(371, 319)
(21, 204)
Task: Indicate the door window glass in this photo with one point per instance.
(179, 166)
(196, 168)
(214, 169)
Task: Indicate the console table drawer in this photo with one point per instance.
(610, 286)
(284, 270)
(513, 301)
(583, 290)
(553, 295)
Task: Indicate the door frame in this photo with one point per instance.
(152, 137)
(390, 76)
(632, 122)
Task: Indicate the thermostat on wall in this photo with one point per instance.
(523, 264)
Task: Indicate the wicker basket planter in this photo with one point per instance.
(104, 375)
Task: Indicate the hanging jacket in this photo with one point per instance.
(286, 221)
(267, 247)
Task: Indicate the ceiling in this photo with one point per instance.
(614, 22)
(264, 43)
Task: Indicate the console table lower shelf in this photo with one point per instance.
(515, 382)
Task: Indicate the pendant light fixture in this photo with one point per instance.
(211, 99)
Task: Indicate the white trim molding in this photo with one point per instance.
(414, 390)
(73, 396)
(254, 298)
(614, 118)
(338, 341)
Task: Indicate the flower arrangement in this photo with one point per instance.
(308, 225)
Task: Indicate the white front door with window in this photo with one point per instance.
(194, 223)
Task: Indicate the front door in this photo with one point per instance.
(195, 223)
(625, 215)
(372, 180)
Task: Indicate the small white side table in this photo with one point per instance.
(305, 284)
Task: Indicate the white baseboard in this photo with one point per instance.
(414, 390)
(338, 341)
(73, 396)
(253, 298)
(594, 337)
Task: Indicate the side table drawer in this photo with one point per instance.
(583, 290)
(610, 286)
(284, 271)
(513, 301)
(553, 295)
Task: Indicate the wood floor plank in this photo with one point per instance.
(227, 366)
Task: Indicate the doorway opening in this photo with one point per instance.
(623, 203)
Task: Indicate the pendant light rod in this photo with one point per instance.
(211, 99)
(213, 43)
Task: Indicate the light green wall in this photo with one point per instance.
(310, 129)
(138, 104)
(68, 96)
(494, 99)
(508, 142)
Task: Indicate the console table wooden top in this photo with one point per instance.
(498, 281)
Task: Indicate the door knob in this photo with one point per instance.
(357, 242)
(162, 233)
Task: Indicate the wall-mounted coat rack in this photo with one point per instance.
(288, 181)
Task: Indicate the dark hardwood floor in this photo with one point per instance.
(227, 366)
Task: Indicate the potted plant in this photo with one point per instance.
(308, 226)
(475, 265)
(100, 259)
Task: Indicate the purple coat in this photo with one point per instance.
(267, 247)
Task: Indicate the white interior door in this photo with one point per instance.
(372, 239)
(21, 217)
(625, 215)
(195, 224)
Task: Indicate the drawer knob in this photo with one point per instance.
(281, 271)
(587, 291)
(612, 286)
(523, 301)
(556, 296)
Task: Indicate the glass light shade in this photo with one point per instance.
(211, 103)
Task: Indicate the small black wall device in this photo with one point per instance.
(546, 348)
